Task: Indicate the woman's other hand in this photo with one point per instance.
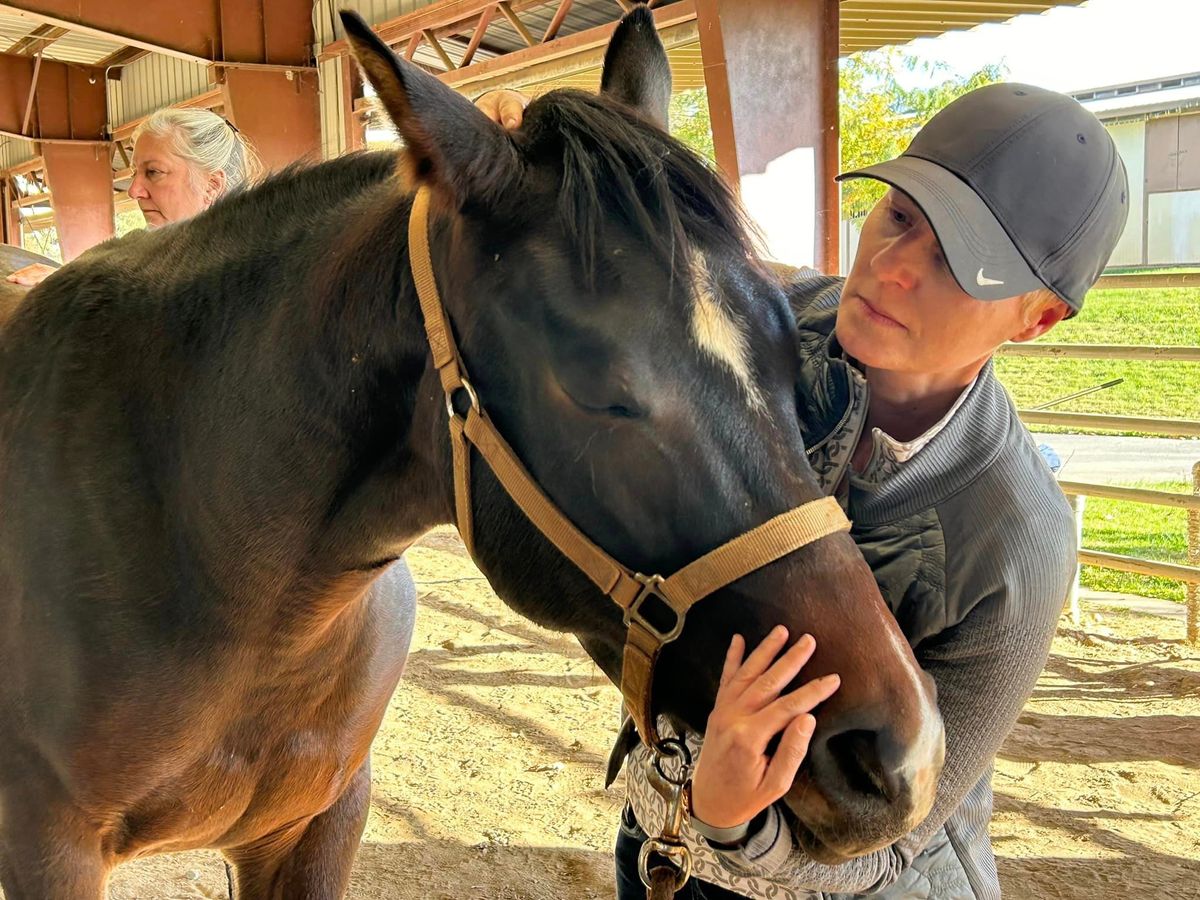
(735, 779)
(505, 108)
(32, 274)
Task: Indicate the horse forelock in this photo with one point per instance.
(616, 164)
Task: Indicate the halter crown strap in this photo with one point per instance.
(647, 635)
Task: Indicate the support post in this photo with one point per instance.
(278, 111)
(81, 193)
(1078, 503)
(1193, 539)
(10, 233)
(771, 72)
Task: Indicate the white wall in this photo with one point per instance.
(1173, 230)
(1130, 138)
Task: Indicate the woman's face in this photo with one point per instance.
(164, 186)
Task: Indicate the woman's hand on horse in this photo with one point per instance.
(735, 779)
(32, 274)
(505, 108)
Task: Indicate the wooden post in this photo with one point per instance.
(1193, 590)
(1078, 502)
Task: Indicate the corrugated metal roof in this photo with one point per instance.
(865, 24)
(871, 24)
(73, 47)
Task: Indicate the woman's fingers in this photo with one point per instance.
(790, 753)
(761, 657)
(733, 658)
(505, 108)
(783, 670)
(796, 704)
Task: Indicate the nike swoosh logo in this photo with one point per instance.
(983, 281)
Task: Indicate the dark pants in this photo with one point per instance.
(630, 838)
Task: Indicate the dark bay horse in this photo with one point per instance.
(218, 438)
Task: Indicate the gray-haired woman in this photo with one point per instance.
(183, 161)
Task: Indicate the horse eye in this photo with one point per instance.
(597, 405)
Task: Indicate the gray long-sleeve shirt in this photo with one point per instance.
(973, 546)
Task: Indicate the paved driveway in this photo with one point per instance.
(1116, 460)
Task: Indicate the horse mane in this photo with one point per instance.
(615, 161)
(301, 192)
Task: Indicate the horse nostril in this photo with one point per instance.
(857, 754)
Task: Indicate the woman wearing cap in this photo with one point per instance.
(1000, 216)
(183, 161)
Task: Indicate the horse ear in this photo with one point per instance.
(451, 145)
(636, 71)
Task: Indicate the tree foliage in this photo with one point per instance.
(879, 116)
(690, 122)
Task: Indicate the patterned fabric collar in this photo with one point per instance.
(830, 438)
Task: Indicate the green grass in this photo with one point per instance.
(1168, 317)
(1135, 529)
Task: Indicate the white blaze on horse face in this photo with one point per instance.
(721, 334)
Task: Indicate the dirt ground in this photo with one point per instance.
(489, 768)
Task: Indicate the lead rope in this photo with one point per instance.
(673, 867)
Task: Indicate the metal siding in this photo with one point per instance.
(1189, 152)
(1162, 154)
(1130, 138)
(1173, 229)
(154, 82)
(333, 140)
(374, 11)
(14, 152)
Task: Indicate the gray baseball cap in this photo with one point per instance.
(1023, 187)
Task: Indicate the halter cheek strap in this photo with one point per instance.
(643, 598)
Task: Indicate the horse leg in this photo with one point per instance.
(313, 865)
(49, 852)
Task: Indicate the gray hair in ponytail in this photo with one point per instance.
(207, 142)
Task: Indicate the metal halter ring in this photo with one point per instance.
(677, 854)
(465, 386)
(673, 748)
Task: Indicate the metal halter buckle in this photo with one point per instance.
(650, 588)
(465, 386)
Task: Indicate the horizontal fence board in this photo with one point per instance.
(1148, 280)
(1134, 495)
(1173, 571)
(1165, 427)
(1102, 351)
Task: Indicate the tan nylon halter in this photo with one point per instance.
(768, 542)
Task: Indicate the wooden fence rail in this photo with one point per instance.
(1091, 421)
(1102, 351)
(1189, 574)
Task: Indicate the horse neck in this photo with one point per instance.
(341, 461)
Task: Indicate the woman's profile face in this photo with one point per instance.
(163, 184)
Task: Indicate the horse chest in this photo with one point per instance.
(238, 793)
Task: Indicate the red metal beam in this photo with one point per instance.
(280, 115)
(276, 32)
(443, 19)
(580, 42)
(80, 179)
(556, 23)
(68, 103)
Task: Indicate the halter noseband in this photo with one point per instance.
(630, 590)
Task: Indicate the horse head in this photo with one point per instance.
(606, 300)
